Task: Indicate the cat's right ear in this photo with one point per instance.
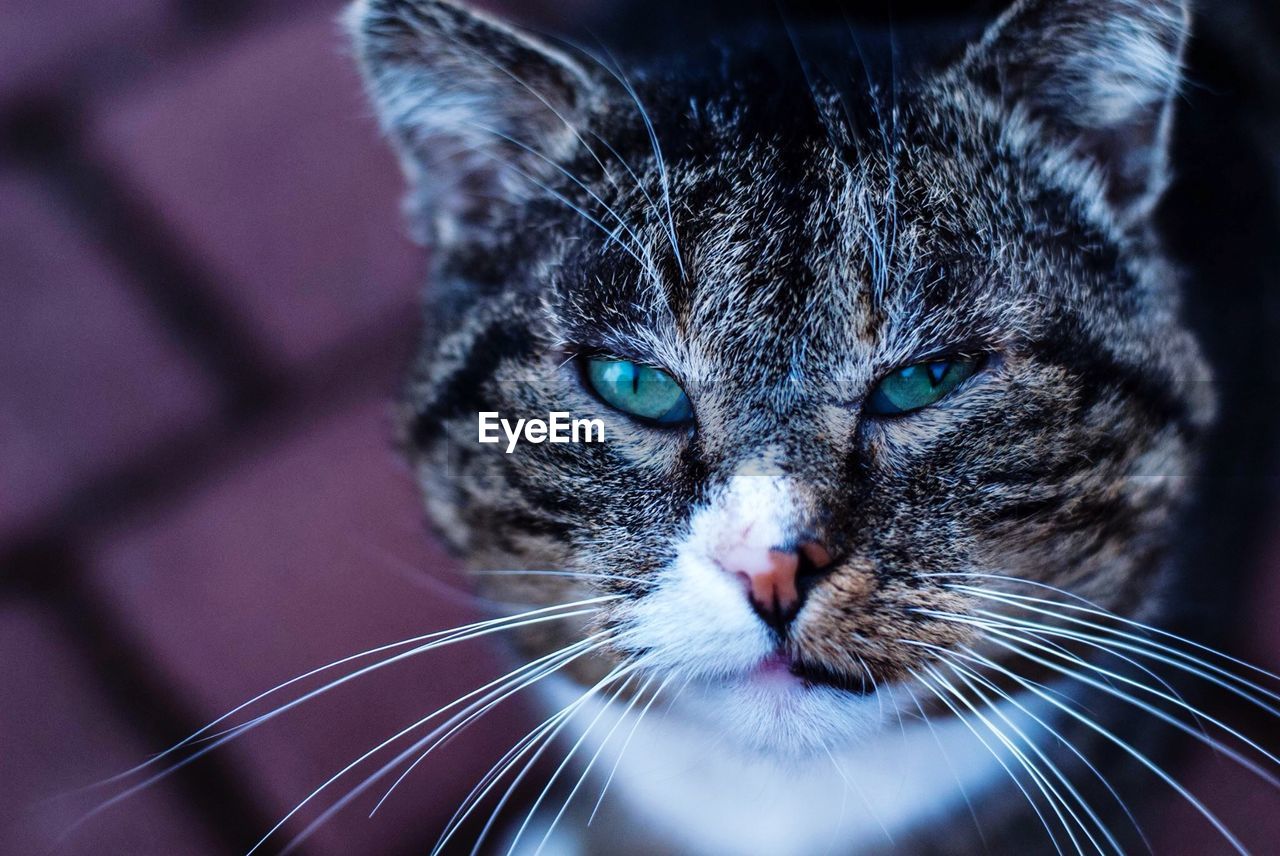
(1100, 74)
(475, 109)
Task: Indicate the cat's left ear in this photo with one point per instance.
(1101, 74)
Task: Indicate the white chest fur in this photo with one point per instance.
(686, 783)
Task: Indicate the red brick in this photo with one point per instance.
(57, 735)
(266, 160)
(305, 553)
(40, 39)
(1263, 633)
(87, 377)
(1245, 804)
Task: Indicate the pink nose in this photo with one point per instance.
(771, 575)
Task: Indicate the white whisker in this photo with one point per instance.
(1156, 769)
(454, 634)
(1093, 608)
(546, 733)
(1006, 637)
(494, 774)
(968, 654)
(533, 810)
(1143, 646)
(622, 224)
(578, 648)
(939, 694)
(946, 758)
(617, 761)
(611, 234)
(844, 800)
(586, 771)
(969, 676)
(472, 714)
(1042, 783)
(212, 741)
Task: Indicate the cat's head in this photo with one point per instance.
(856, 332)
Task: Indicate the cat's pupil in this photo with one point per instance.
(642, 391)
(918, 386)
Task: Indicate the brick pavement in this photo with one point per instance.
(91, 377)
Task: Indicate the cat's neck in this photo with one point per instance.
(690, 793)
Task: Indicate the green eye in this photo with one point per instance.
(642, 391)
(921, 385)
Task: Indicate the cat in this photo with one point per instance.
(903, 415)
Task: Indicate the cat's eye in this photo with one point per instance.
(642, 391)
(920, 385)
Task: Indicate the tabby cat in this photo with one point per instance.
(901, 418)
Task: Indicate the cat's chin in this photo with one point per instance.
(775, 711)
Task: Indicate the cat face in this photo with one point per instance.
(791, 248)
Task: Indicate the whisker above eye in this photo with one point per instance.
(570, 126)
(614, 68)
(610, 234)
(622, 223)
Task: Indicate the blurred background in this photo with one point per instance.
(206, 296)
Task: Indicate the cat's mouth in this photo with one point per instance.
(781, 667)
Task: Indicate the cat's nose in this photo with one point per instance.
(775, 577)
